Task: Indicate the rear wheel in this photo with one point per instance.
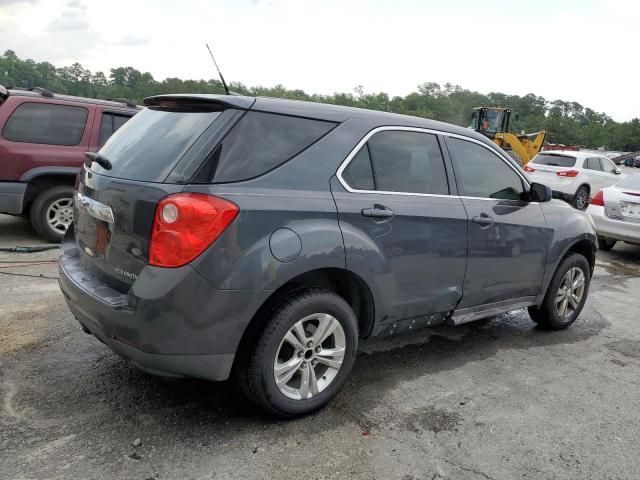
(606, 244)
(581, 198)
(52, 212)
(303, 356)
(566, 294)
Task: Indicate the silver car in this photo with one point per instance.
(616, 213)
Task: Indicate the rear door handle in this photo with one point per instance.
(484, 220)
(377, 211)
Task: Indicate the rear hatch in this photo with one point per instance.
(153, 155)
(547, 165)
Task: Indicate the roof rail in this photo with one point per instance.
(42, 91)
(128, 103)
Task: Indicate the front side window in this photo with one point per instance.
(46, 123)
(399, 161)
(608, 165)
(481, 173)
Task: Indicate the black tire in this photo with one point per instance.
(255, 369)
(40, 208)
(581, 198)
(606, 244)
(547, 315)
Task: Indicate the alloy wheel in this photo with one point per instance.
(60, 214)
(309, 356)
(570, 292)
(582, 199)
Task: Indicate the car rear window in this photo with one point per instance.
(46, 123)
(632, 182)
(555, 160)
(260, 142)
(148, 146)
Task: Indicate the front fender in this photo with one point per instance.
(571, 228)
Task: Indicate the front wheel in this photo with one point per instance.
(566, 295)
(581, 198)
(303, 356)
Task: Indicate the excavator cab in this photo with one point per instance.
(490, 121)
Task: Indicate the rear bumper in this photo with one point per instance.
(614, 229)
(12, 197)
(171, 322)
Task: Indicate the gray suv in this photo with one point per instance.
(217, 236)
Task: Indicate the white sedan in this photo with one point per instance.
(573, 176)
(616, 213)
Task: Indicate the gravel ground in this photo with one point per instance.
(496, 399)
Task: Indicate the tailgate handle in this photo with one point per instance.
(377, 211)
(95, 209)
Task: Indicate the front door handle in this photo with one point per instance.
(377, 211)
(484, 220)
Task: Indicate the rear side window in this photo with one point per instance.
(555, 160)
(480, 173)
(111, 122)
(149, 145)
(46, 123)
(593, 163)
(398, 161)
(261, 142)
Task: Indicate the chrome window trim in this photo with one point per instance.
(365, 139)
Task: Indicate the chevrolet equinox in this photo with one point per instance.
(256, 238)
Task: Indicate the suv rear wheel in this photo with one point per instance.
(581, 198)
(52, 212)
(303, 356)
(566, 294)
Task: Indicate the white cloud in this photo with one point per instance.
(574, 50)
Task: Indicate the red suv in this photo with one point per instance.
(43, 138)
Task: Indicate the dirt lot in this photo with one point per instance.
(498, 399)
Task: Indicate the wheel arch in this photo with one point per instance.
(42, 178)
(585, 246)
(345, 283)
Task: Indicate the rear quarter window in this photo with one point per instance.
(260, 142)
(46, 123)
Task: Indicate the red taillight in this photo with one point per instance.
(598, 199)
(568, 173)
(527, 168)
(185, 224)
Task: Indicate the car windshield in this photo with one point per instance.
(632, 182)
(555, 160)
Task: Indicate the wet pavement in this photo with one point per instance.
(495, 399)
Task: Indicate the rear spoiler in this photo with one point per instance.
(199, 102)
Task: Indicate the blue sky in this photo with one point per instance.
(584, 51)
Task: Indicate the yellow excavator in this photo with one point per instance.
(494, 123)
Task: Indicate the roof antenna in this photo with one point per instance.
(224, 84)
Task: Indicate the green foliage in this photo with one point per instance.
(566, 122)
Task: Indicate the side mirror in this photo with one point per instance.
(617, 171)
(539, 193)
